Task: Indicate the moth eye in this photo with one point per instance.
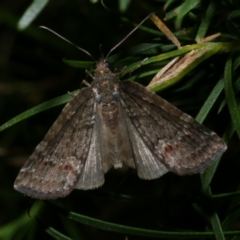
(107, 65)
(95, 66)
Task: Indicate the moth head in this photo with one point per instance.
(102, 66)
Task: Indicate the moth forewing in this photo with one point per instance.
(54, 168)
(175, 139)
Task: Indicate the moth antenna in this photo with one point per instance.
(101, 51)
(66, 40)
(128, 34)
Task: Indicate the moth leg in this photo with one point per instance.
(70, 94)
(130, 71)
(86, 83)
(90, 74)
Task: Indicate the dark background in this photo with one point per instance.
(32, 71)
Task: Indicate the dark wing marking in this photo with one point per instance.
(179, 142)
(55, 166)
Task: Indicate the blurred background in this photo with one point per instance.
(32, 71)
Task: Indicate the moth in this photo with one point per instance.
(111, 123)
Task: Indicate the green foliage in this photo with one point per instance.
(35, 79)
